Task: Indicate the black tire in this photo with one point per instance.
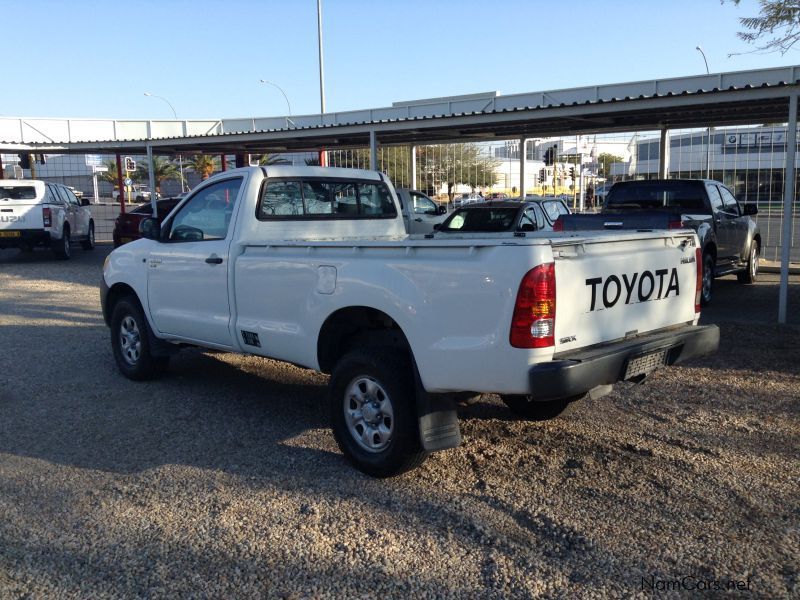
(708, 279)
(88, 243)
(371, 391)
(62, 248)
(750, 275)
(533, 410)
(131, 343)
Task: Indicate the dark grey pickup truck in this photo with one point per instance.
(729, 238)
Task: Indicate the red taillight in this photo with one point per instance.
(534, 320)
(558, 225)
(698, 295)
(675, 224)
(46, 218)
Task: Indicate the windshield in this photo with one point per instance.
(17, 192)
(657, 194)
(480, 219)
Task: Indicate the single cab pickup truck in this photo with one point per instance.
(313, 266)
(730, 240)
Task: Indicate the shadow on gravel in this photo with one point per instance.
(84, 266)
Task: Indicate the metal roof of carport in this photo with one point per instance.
(741, 97)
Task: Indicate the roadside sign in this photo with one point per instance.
(99, 169)
(128, 181)
(94, 160)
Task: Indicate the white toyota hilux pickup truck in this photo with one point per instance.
(312, 266)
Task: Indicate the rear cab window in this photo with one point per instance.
(17, 192)
(322, 198)
(650, 195)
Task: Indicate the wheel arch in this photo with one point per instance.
(114, 294)
(348, 327)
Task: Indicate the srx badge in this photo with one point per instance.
(633, 288)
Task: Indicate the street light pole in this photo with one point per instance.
(708, 129)
(280, 89)
(180, 158)
(323, 156)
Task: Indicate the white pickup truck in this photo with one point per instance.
(420, 213)
(312, 266)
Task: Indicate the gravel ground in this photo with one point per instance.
(222, 480)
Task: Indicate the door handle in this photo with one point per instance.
(214, 260)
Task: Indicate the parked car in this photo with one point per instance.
(139, 193)
(126, 227)
(466, 198)
(496, 217)
(403, 326)
(729, 238)
(37, 213)
(551, 206)
(78, 193)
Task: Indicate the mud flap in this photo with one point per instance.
(438, 419)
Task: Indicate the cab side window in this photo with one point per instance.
(714, 197)
(421, 204)
(729, 202)
(208, 213)
(50, 195)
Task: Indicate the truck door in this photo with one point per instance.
(737, 223)
(423, 213)
(725, 217)
(188, 271)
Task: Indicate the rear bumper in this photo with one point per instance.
(28, 237)
(575, 373)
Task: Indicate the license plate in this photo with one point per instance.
(645, 363)
(9, 234)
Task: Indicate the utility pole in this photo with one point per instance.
(323, 156)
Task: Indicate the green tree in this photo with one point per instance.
(202, 164)
(111, 175)
(776, 28)
(272, 159)
(605, 159)
(163, 169)
(454, 164)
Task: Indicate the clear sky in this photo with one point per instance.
(77, 58)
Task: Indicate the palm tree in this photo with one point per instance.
(202, 164)
(272, 159)
(110, 174)
(163, 169)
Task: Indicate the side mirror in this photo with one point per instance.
(437, 227)
(84, 202)
(442, 209)
(750, 209)
(150, 228)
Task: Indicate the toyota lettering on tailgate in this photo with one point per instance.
(12, 219)
(633, 288)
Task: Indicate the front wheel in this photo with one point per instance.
(372, 410)
(532, 410)
(751, 274)
(131, 343)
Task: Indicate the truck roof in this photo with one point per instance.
(307, 171)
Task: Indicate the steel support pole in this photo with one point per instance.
(413, 167)
(788, 198)
(120, 185)
(151, 172)
(373, 150)
(663, 154)
(522, 158)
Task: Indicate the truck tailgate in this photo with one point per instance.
(15, 214)
(611, 289)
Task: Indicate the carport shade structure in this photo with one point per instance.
(713, 100)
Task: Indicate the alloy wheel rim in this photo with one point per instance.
(706, 281)
(369, 414)
(130, 341)
(754, 262)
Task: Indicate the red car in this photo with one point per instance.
(126, 227)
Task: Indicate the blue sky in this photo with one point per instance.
(95, 59)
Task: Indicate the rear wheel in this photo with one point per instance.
(372, 410)
(130, 342)
(88, 243)
(751, 274)
(532, 410)
(62, 248)
(708, 278)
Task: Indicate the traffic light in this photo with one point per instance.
(130, 164)
(550, 156)
(572, 173)
(542, 175)
(24, 160)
